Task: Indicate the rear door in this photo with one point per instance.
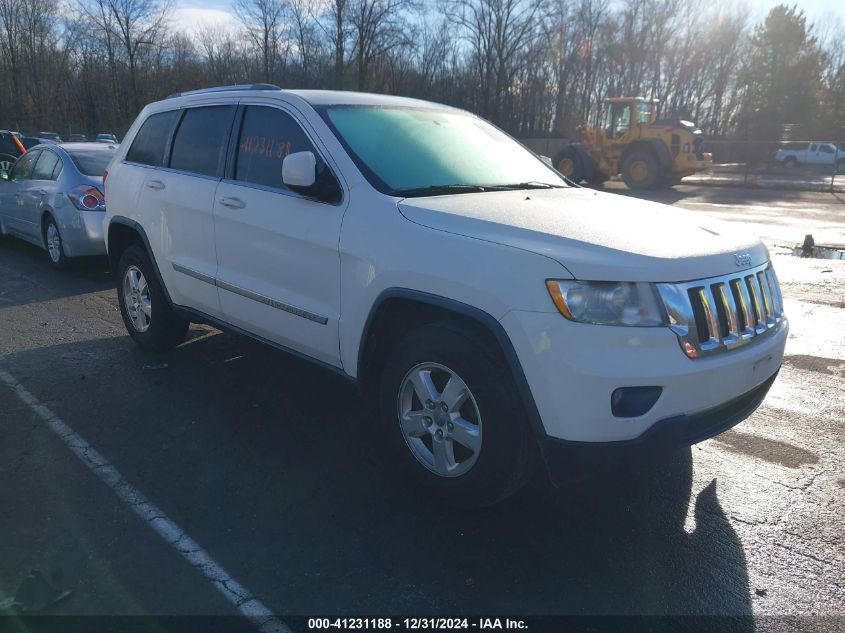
(177, 199)
(279, 266)
(38, 190)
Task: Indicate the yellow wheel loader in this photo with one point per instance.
(647, 152)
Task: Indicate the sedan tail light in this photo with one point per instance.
(87, 198)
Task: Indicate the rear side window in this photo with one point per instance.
(267, 136)
(200, 142)
(151, 141)
(45, 166)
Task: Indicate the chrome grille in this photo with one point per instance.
(721, 313)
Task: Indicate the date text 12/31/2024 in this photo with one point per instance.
(415, 624)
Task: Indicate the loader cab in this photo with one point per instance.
(624, 113)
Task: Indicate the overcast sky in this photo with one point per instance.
(192, 14)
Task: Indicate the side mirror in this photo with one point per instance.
(299, 170)
(546, 160)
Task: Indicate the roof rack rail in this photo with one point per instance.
(224, 89)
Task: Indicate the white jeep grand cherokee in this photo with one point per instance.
(500, 317)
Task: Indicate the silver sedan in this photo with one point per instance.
(53, 198)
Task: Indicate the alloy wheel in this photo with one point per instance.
(136, 298)
(54, 243)
(439, 419)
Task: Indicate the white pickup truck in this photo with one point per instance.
(823, 154)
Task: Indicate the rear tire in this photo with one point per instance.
(570, 163)
(484, 443)
(54, 244)
(148, 317)
(640, 170)
(790, 162)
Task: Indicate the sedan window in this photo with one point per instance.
(45, 166)
(92, 162)
(23, 166)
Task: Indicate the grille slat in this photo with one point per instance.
(713, 315)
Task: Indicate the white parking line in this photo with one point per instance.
(176, 537)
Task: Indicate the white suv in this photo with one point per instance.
(500, 317)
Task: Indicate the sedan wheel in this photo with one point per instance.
(136, 298)
(54, 243)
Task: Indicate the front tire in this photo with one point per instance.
(452, 416)
(148, 317)
(640, 170)
(54, 244)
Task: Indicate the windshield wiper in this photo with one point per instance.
(436, 190)
(533, 184)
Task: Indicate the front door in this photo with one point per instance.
(278, 261)
(15, 199)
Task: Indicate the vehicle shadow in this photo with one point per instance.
(277, 468)
(26, 276)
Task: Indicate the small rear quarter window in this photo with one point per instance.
(150, 143)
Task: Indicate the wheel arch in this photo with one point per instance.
(397, 311)
(124, 232)
(47, 212)
(653, 145)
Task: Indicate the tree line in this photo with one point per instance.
(533, 67)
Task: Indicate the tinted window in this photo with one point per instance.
(151, 141)
(812, 148)
(267, 136)
(57, 171)
(826, 149)
(200, 142)
(23, 166)
(45, 166)
(92, 162)
(7, 145)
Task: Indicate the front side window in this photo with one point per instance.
(23, 167)
(267, 136)
(200, 142)
(45, 166)
(813, 148)
(400, 149)
(150, 143)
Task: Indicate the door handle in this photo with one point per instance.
(232, 203)
(155, 185)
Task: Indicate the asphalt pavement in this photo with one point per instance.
(276, 471)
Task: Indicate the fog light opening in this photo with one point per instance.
(632, 402)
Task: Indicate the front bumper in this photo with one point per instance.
(573, 368)
(569, 461)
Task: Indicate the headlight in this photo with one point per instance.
(608, 302)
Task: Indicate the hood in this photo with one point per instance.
(596, 236)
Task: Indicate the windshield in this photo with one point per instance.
(92, 162)
(405, 151)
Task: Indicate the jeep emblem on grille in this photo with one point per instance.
(742, 260)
